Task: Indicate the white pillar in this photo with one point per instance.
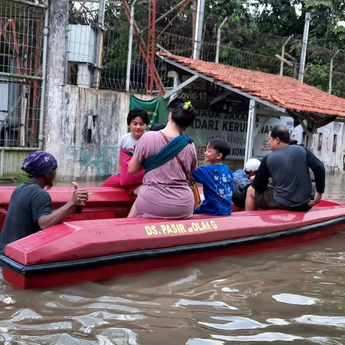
(304, 47)
(218, 38)
(331, 72)
(56, 60)
(130, 47)
(99, 44)
(250, 130)
(198, 29)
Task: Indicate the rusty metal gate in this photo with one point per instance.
(23, 42)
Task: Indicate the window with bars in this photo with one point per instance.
(319, 144)
(335, 139)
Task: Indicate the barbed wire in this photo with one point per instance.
(115, 53)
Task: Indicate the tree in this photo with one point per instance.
(259, 27)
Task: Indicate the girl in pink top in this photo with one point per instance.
(165, 192)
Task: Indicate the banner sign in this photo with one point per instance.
(232, 128)
(156, 108)
(201, 92)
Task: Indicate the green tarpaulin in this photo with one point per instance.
(156, 108)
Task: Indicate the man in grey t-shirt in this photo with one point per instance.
(288, 166)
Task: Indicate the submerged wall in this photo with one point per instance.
(328, 146)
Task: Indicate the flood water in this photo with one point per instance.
(294, 295)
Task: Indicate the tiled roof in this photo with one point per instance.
(285, 92)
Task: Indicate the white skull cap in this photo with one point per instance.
(252, 164)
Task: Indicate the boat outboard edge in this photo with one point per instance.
(153, 253)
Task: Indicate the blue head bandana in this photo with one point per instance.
(39, 163)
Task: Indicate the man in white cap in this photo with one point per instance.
(242, 179)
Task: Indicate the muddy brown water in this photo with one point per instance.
(295, 295)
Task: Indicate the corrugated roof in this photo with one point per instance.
(285, 92)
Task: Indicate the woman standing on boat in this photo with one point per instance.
(166, 193)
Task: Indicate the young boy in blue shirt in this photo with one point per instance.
(217, 180)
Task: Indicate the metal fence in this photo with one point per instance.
(312, 77)
(81, 42)
(180, 45)
(21, 39)
(115, 63)
(338, 84)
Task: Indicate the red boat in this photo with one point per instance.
(100, 244)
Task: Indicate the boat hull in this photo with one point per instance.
(112, 266)
(100, 244)
(100, 249)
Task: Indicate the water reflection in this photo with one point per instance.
(262, 337)
(335, 321)
(293, 295)
(295, 299)
(215, 302)
(234, 323)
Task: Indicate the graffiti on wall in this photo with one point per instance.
(103, 162)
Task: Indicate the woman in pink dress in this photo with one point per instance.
(165, 192)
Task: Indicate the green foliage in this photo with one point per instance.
(268, 23)
(20, 178)
(317, 75)
(277, 16)
(259, 27)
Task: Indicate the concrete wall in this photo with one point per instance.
(329, 146)
(11, 161)
(84, 136)
(82, 126)
(84, 133)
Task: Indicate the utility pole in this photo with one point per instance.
(130, 46)
(198, 29)
(331, 72)
(194, 11)
(99, 43)
(218, 38)
(304, 47)
(55, 73)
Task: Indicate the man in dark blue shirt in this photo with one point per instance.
(288, 166)
(30, 208)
